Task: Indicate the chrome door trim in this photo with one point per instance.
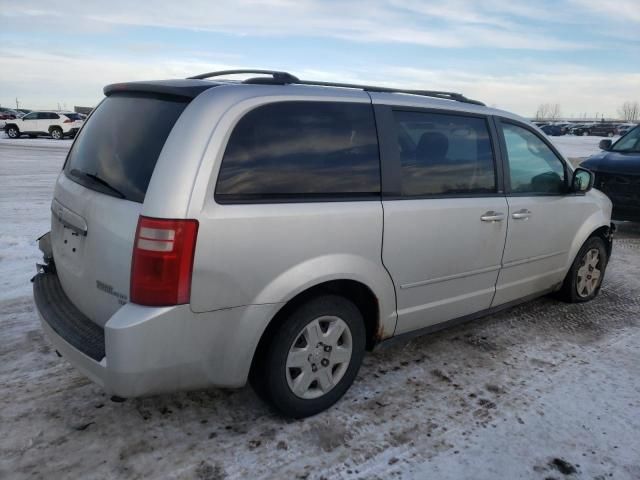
(470, 273)
(533, 259)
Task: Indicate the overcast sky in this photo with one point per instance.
(582, 54)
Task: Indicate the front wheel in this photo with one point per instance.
(13, 132)
(313, 358)
(585, 276)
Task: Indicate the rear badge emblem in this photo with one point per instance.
(108, 289)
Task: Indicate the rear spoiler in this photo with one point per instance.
(188, 89)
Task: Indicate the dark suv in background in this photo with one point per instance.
(599, 129)
(617, 170)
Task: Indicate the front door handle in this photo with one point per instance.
(523, 214)
(492, 216)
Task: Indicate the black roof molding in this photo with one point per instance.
(282, 78)
(179, 88)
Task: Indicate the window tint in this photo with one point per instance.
(73, 116)
(30, 116)
(533, 167)
(629, 143)
(301, 149)
(444, 154)
(119, 146)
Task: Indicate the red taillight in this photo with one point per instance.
(162, 261)
(68, 121)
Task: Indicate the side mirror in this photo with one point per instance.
(582, 180)
(605, 144)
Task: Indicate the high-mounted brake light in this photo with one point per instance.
(162, 261)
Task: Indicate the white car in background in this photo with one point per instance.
(56, 124)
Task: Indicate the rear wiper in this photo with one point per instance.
(99, 180)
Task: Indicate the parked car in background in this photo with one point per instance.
(24, 111)
(580, 129)
(598, 129)
(622, 129)
(7, 114)
(57, 124)
(565, 126)
(617, 173)
(190, 247)
(553, 130)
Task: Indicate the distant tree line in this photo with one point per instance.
(629, 112)
(548, 111)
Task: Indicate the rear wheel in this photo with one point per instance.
(13, 132)
(313, 358)
(584, 279)
(56, 133)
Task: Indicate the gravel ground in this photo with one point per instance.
(544, 390)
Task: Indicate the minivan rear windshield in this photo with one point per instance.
(116, 151)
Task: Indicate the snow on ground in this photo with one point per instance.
(545, 390)
(573, 147)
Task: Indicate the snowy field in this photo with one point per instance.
(577, 148)
(545, 390)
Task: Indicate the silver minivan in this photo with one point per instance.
(213, 232)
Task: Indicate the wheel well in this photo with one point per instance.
(604, 233)
(7, 125)
(357, 292)
(53, 127)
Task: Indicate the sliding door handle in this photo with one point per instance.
(523, 214)
(492, 216)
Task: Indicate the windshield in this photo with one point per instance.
(117, 150)
(629, 143)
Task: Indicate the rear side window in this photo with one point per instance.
(117, 150)
(301, 150)
(444, 154)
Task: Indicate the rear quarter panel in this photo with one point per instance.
(268, 253)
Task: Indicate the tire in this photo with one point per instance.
(579, 285)
(56, 133)
(13, 132)
(326, 370)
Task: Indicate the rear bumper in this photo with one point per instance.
(149, 350)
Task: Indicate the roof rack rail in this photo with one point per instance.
(282, 78)
(278, 77)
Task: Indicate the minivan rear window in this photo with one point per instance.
(117, 150)
(301, 150)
